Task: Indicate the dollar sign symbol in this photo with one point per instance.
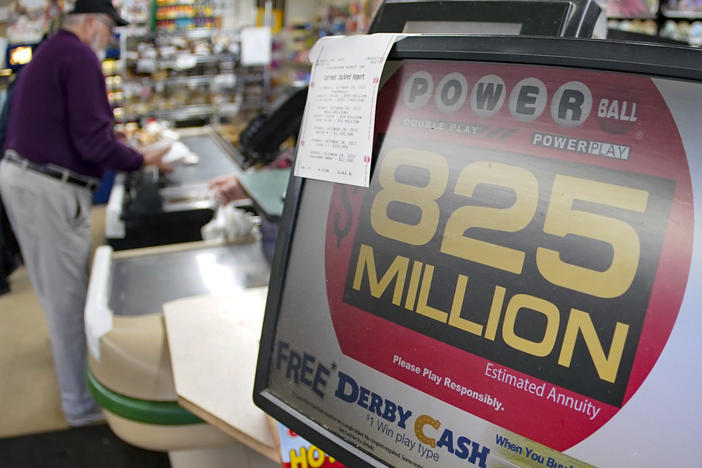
(348, 211)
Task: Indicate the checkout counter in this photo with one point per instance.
(143, 374)
(146, 209)
(156, 314)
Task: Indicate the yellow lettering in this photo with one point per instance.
(397, 270)
(455, 319)
(498, 298)
(413, 285)
(298, 460)
(562, 219)
(510, 219)
(423, 197)
(422, 307)
(419, 424)
(606, 366)
(550, 311)
(315, 457)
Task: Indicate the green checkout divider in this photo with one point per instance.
(163, 413)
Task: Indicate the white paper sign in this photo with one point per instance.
(336, 137)
(256, 46)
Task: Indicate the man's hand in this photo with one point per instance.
(226, 189)
(155, 158)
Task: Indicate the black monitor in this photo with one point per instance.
(569, 18)
(519, 284)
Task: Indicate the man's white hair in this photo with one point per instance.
(73, 20)
(74, 23)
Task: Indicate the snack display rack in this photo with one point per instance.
(187, 76)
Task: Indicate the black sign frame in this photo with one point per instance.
(657, 60)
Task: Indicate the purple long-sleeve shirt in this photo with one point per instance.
(60, 114)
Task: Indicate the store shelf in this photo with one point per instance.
(674, 21)
(181, 3)
(195, 33)
(214, 58)
(675, 14)
(185, 112)
(195, 80)
(185, 23)
(161, 63)
(184, 17)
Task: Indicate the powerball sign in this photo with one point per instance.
(523, 247)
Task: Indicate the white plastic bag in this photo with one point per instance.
(229, 223)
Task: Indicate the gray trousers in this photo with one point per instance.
(51, 219)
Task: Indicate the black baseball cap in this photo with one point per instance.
(98, 6)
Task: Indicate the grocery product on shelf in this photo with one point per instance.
(674, 20)
(193, 74)
(632, 8)
(177, 15)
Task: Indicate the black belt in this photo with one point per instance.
(54, 172)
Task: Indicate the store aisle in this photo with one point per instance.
(29, 397)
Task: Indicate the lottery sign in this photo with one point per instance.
(523, 247)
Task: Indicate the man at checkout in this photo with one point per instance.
(59, 142)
